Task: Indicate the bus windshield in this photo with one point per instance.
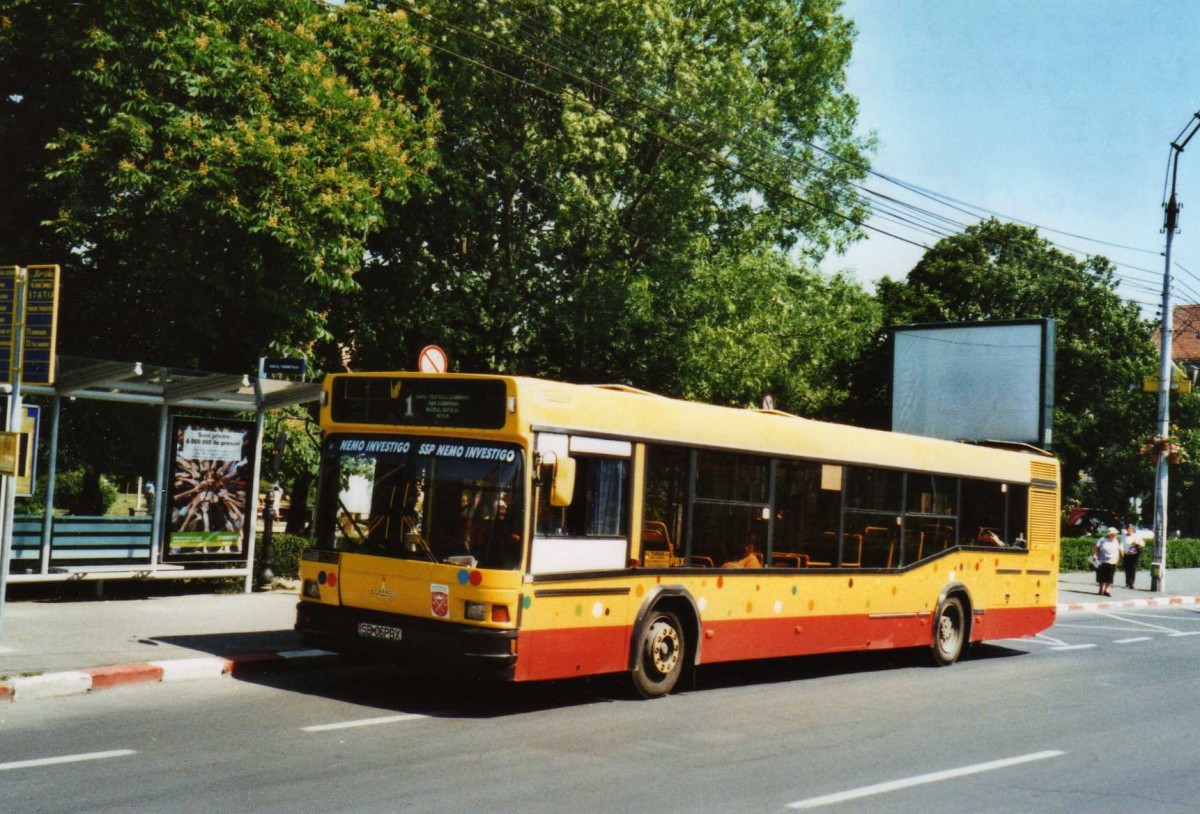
(432, 499)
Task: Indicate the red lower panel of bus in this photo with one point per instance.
(590, 651)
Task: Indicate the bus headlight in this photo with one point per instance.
(476, 611)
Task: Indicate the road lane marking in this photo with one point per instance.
(933, 777)
(1073, 647)
(389, 719)
(1139, 624)
(1134, 639)
(54, 761)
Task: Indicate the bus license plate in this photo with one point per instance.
(367, 630)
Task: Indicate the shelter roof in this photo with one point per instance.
(140, 383)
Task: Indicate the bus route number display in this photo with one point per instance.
(469, 403)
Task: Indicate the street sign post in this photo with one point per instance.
(28, 333)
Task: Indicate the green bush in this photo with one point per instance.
(285, 553)
(1183, 553)
(81, 495)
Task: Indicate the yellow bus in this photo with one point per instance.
(541, 530)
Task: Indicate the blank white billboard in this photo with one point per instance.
(980, 381)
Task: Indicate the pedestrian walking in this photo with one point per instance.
(1107, 551)
(1131, 550)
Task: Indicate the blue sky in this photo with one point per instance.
(1056, 112)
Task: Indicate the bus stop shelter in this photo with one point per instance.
(134, 546)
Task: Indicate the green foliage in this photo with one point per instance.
(636, 198)
(83, 492)
(1181, 553)
(997, 271)
(285, 553)
(206, 171)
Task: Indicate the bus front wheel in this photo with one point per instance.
(949, 631)
(660, 655)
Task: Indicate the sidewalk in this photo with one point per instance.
(65, 647)
(1077, 591)
(50, 647)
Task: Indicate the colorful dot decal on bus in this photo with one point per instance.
(795, 590)
(778, 606)
(463, 576)
(598, 609)
(579, 610)
(527, 602)
(476, 577)
(702, 604)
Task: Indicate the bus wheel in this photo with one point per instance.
(949, 631)
(660, 655)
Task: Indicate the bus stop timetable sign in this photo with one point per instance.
(41, 322)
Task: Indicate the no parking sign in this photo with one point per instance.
(432, 359)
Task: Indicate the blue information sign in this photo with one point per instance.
(41, 323)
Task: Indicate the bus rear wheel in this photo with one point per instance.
(660, 655)
(949, 631)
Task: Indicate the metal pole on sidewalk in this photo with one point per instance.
(1158, 567)
(13, 422)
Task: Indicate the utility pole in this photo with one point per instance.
(1158, 568)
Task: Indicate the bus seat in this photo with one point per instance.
(913, 538)
(700, 561)
(851, 540)
(788, 559)
(657, 550)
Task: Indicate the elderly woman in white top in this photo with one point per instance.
(1107, 551)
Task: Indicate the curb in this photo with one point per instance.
(81, 682)
(1129, 603)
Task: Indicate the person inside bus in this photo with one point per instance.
(989, 537)
(750, 556)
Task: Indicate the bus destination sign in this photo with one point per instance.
(442, 402)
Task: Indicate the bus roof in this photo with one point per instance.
(617, 411)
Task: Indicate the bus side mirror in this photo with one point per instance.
(562, 486)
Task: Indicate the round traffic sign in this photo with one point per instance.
(432, 360)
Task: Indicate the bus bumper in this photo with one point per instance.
(407, 640)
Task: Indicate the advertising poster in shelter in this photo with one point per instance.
(208, 491)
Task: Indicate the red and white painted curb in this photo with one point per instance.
(1122, 604)
(78, 682)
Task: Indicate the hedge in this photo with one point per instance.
(1182, 553)
(285, 553)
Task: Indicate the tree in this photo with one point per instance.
(207, 172)
(609, 176)
(997, 271)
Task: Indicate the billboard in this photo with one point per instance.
(978, 381)
(208, 491)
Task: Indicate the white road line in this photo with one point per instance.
(1174, 617)
(54, 761)
(1139, 624)
(1134, 639)
(1184, 633)
(390, 719)
(1074, 647)
(934, 777)
(1040, 638)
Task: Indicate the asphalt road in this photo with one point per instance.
(1098, 715)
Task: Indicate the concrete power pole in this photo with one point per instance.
(1158, 568)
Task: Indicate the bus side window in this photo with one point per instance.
(600, 507)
